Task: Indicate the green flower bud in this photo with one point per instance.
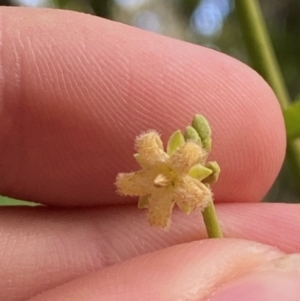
(200, 124)
(190, 134)
(206, 143)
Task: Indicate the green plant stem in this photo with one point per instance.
(211, 221)
(263, 58)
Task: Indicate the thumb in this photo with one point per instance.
(217, 270)
(276, 280)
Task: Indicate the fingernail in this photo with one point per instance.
(277, 280)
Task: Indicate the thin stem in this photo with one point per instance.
(263, 58)
(260, 48)
(211, 221)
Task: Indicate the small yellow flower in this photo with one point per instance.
(168, 177)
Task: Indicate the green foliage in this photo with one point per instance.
(4, 201)
(292, 120)
(99, 8)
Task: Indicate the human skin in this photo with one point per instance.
(75, 90)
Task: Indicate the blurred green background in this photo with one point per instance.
(211, 23)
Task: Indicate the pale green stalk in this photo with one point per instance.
(211, 221)
(263, 58)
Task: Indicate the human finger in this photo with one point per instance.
(208, 270)
(77, 89)
(42, 248)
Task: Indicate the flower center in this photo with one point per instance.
(164, 179)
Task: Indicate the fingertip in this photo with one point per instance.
(249, 138)
(77, 90)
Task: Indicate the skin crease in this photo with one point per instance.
(75, 91)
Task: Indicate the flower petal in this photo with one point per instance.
(186, 157)
(160, 207)
(150, 149)
(190, 194)
(135, 183)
